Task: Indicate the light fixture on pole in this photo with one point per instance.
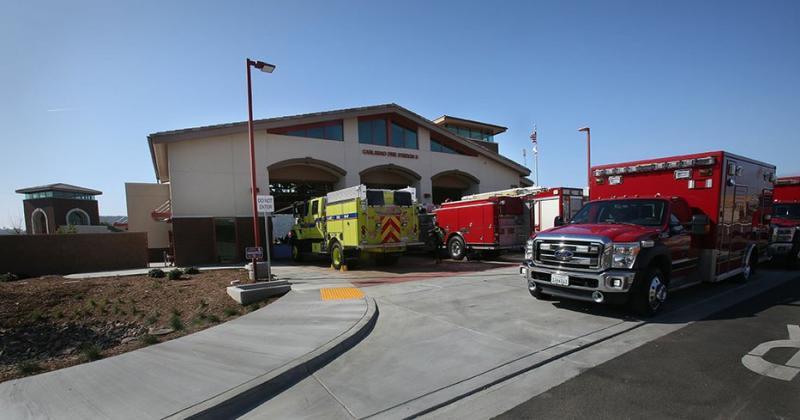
(266, 68)
(588, 155)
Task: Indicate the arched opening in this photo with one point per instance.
(78, 217)
(390, 177)
(452, 185)
(39, 223)
(301, 179)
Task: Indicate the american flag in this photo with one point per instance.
(534, 141)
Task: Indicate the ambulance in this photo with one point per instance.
(356, 223)
(655, 226)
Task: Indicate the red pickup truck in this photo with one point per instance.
(653, 226)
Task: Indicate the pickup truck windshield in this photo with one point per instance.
(787, 211)
(637, 212)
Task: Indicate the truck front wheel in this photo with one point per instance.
(337, 255)
(456, 248)
(649, 293)
(297, 252)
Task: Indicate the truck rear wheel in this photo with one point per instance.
(749, 266)
(649, 293)
(337, 255)
(297, 252)
(456, 248)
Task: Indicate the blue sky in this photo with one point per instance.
(83, 83)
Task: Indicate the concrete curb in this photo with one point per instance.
(243, 398)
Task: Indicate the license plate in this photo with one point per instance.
(559, 279)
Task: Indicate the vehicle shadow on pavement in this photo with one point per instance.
(678, 308)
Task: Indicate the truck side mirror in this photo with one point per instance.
(558, 221)
(700, 224)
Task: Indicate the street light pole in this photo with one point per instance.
(267, 68)
(588, 155)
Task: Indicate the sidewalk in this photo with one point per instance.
(278, 344)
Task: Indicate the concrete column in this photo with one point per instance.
(352, 154)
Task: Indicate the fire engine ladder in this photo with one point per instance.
(513, 192)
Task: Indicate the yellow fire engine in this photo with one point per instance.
(356, 223)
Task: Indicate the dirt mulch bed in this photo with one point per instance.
(50, 322)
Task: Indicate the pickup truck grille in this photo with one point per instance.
(566, 254)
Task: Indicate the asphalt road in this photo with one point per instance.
(695, 372)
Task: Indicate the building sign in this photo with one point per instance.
(389, 154)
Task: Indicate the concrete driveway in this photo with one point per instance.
(440, 340)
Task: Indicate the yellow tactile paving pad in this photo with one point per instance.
(341, 293)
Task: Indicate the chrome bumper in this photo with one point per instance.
(604, 278)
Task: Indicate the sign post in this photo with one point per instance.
(266, 205)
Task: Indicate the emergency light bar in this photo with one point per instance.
(660, 166)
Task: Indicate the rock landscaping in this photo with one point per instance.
(50, 322)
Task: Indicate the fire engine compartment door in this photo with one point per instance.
(733, 228)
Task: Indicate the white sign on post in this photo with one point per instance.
(265, 203)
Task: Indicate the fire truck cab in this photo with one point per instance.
(654, 226)
(785, 221)
(550, 207)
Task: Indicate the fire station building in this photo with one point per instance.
(200, 210)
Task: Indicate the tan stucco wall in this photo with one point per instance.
(211, 177)
(141, 200)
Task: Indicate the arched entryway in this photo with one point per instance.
(389, 176)
(452, 185)
(300, 179)
(39, 223)
(78, 217)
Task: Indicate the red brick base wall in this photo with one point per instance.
(36, 255)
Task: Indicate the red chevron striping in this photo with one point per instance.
(391, 237)
(390, 222)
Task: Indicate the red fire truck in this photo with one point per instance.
(654, 226)
(487, 224)
(785, 238)
(496, 221)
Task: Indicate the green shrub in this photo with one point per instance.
(28, 368)
(213, 318)
(149, 339)
(8, 277)
(176, 323)
(156, 273)
(91, 352)
(191, 270)
(230, 311)
(175, 274)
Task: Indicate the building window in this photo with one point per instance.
(437, 146)
(78, 217)
(374, 131)
(329, 130)
(470, 133)
(403, 137)
(58, 194)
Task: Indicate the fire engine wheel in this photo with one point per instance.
(649, 294)
(297, 253)
(456, 248)
(749, 266)
(337, 255)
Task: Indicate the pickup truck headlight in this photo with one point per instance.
(782, 234)
(529, 250)
(624, 255)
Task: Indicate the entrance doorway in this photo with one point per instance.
(225, 239)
